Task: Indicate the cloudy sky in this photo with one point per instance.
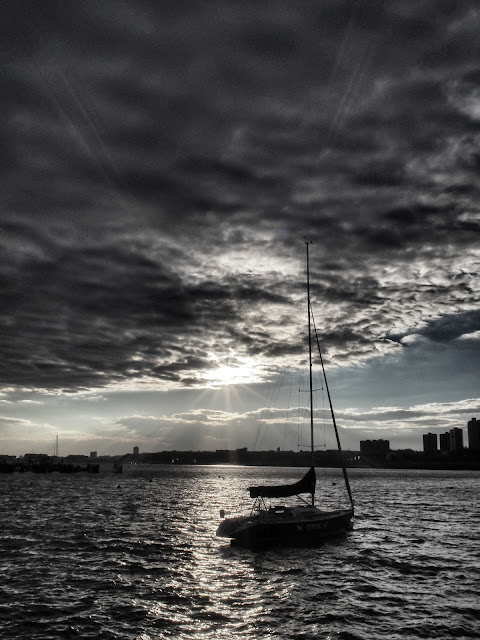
(161, 166)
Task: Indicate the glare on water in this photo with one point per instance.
(135, 556)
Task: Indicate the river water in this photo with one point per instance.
(134, 556)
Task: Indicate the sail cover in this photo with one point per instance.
(305, 485)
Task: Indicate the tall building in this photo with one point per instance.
(93, 455)
(430, 442)
(456, 439)
(135, 451)
(473, 427)
(445, 441)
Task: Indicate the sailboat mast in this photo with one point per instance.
(310, 366)
(345, 475)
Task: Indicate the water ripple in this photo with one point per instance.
(109, 557)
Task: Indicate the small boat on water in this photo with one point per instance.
(303, 523)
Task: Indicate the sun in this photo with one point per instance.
(242, 372)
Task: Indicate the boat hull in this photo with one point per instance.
(287, 527)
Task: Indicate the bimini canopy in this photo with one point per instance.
(305, 485)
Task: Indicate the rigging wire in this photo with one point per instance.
(262, 425)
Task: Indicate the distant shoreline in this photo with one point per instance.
(402, 459)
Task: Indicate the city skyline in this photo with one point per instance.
(431, 442)
(161, 170)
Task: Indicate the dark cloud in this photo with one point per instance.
(93, 315)
(452, 326)
(162, 164)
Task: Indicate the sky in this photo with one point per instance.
(162, 166)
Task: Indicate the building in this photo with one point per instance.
(374, 447)
(35, 458)
(136, 451)
(76, 459)
(445, 441)
(430, 443)
(374, 451)
(93, 455)
(473, 427)
(456, 439)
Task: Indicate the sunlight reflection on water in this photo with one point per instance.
(123, 557)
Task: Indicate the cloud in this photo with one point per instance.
(161, 168)
(475, 335)
(259, 429)
(12, 422)
(405, 427)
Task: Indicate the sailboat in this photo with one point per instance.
(303, 523)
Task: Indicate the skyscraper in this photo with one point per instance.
(456, 439)
(473, 426)
(445, 441)
(430, 442)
